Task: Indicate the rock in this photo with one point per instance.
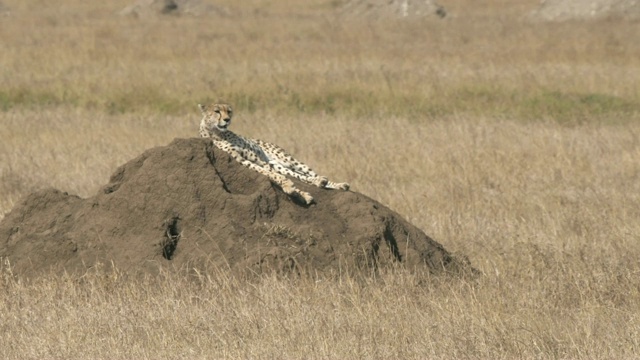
(190, 205)
(401, 9)
(142, 8)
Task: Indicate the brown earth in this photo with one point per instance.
(190, 205)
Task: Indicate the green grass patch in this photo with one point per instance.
(575, 107)
(138, 99)
(478, 100)
(30, 98)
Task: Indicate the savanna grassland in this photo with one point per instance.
(516, 144)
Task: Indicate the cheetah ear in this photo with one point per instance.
(203, 108)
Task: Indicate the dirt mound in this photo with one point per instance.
(561, 10)
(190, 205)
(172, 7)
(383, 9)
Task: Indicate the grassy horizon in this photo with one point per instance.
(320, 63)
(515, 144)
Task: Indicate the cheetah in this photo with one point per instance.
(265, 158)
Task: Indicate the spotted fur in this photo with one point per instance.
(266, 158)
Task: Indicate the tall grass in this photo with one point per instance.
(512, 143)
(395, 314)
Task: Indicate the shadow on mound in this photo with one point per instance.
(190, 205)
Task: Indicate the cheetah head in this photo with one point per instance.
(215, 117)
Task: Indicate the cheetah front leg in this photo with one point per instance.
(287, 185)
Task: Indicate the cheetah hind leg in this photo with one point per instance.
(304, 173)
(324, 183)
(337, 186)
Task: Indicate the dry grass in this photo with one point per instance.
(507, 142)
(305, 60)
(396, 315)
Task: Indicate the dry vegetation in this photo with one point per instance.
(515, 144)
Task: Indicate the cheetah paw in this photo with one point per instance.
(308, 199)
